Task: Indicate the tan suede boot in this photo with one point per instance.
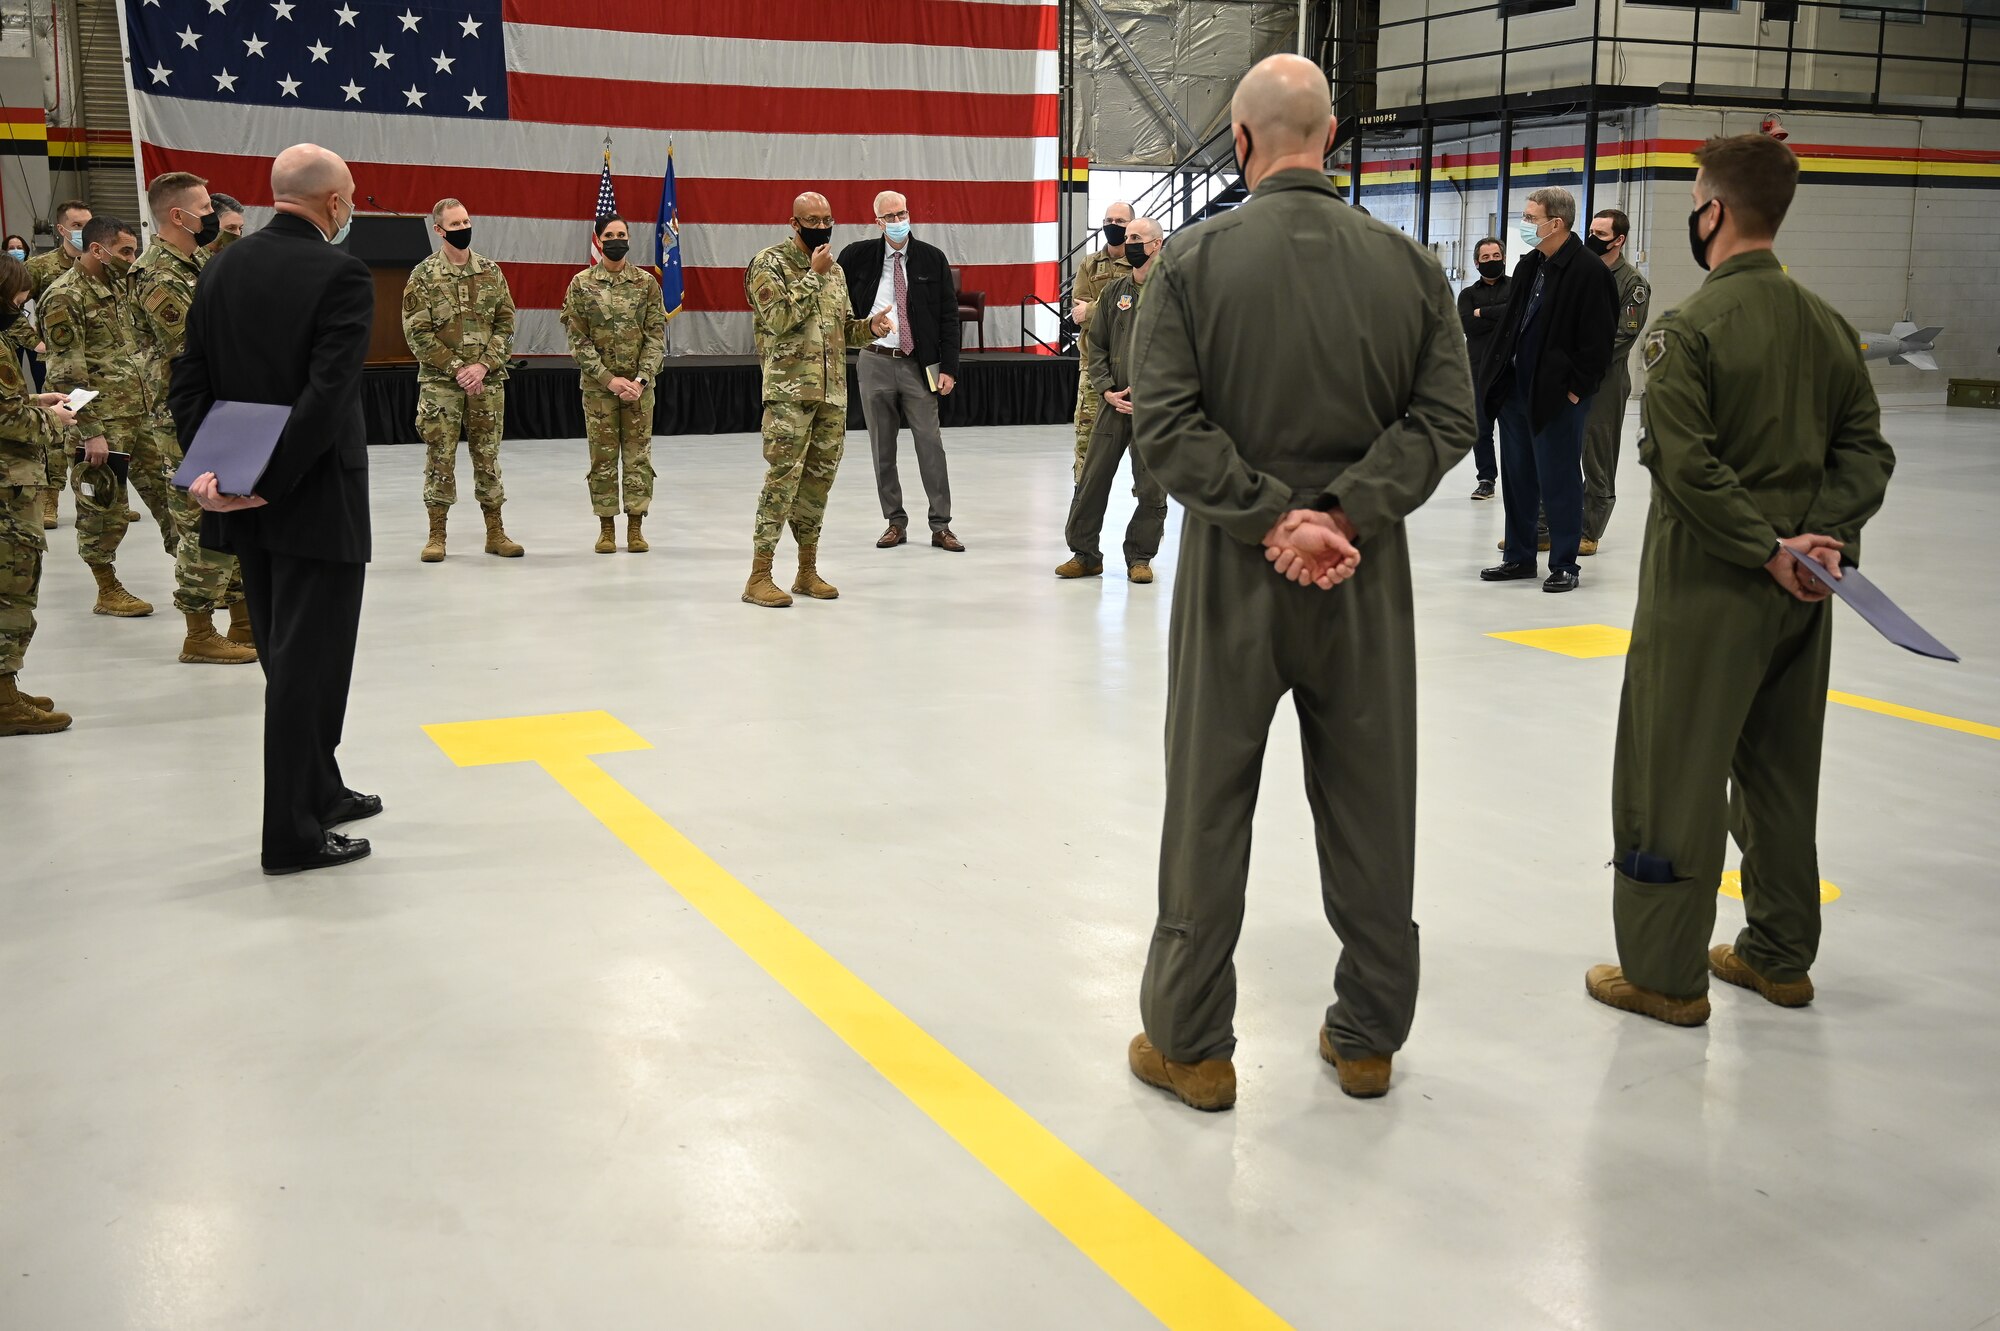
(1725, 965)
(809, 582)
(496, 537)
(1608, 985)
(760, 590)
(240, 631)
(204, 646)
(113, 599)
(46, 704)
(1209, 1085)
(607, 536)
(434, 547)
(49, 509)
(1362, 1078)
(635, 539)
(18, 716)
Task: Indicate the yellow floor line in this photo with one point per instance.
(1173, 1281)
(1938, 719)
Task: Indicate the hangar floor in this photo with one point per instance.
(812, 1011)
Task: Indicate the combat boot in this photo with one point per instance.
(635, 539)
(760, 590)
(434, 547)
(240, 631)
(19, 716)
(49, 509)
(496, 538)
(204, 646)
(46, 704)
(607, 536)
(113, 599)
(809, 582)
(1209, 1085)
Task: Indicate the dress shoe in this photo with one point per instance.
(944, 540)
(891, 538)
(1484, 490)
(1725, 965)
(1541, 545)
(1561, 582)
(1362, 1078)
(353, 807)
(1507, 573)
(1208, 1085)
(1140, 572)
(1077, 567)
(1608, 985)
(1586, 547)
(334, 850)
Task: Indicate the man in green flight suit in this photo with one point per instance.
(1086, 289)
(1609, 230)
(1283, 454)
(1763, 435)
(799, 307)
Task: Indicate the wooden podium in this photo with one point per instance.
(391, 247)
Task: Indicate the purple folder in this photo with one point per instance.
(1883, 615)
(235, 441)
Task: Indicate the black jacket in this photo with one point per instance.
(282, 316)
(933, 296)
(1480, 332)
(1577, 320)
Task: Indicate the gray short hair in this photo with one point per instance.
(440, 208)
(1557, 202)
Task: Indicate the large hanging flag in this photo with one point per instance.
(503, 104)
(607, 204)
(667, 242)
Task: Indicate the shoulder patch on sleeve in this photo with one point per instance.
(1640, 294)
(1655, 349)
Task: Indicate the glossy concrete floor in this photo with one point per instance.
(502, 1075)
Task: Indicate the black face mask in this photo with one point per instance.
(1597, 245)
(815, 236)
(461, 238)
(9, 314)
(1695, 242)
(614, 250)
(211, 227)
(1135, 253)
(1243, 158)
(1114, 235)
(1493, 269)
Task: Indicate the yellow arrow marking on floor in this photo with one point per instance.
(1732, 886)
(1591, 641)
(1156, 1266)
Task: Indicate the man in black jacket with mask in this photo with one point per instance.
(1543, 369)
(1482, 307)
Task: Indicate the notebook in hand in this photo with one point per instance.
(235, 441)
(121, 463)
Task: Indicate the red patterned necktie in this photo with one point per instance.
(905, 343)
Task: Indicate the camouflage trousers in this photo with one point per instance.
(204, 580)
(621, 443)
(803, 442)
(1087, 405)
(101, 497)
(21, 547)
(155, 456)
(444, 411)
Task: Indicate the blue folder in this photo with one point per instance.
(235, 441)
(1883, 615)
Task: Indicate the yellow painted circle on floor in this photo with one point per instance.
(1732, 886)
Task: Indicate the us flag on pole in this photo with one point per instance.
(951, 102)
(607, 206)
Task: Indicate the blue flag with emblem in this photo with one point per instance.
(667, 239)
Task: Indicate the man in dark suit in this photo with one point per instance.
(1538, 380)
(900, 273)
(283, 317)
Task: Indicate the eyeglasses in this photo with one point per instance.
(813, 221)
(902, 216)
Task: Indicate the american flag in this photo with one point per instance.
(607, 205)
(505, 104)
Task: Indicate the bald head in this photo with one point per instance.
(1143, 228)
(1283, 116)
(812, 209)
(311, 182)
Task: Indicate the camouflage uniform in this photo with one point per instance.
(44, 268)
(162, 290)
(1097, 273)
(27, 436)
(803, 332)
(617, 326)
(94, 342)
(455, 315)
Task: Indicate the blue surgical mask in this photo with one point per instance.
(17, 254)
(896, 231)
(346, 226)
(1530, 232)
(76, 238)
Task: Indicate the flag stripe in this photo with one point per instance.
(555, 99)
(489, 192)
(919, 22)
(542, 285)
(656, 57)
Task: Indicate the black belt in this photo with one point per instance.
(881, 350)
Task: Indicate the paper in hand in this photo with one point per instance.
(79, 398)
(1883, 615)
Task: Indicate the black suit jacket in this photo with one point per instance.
(1578, 318)
(282, 316)
(933, 296)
